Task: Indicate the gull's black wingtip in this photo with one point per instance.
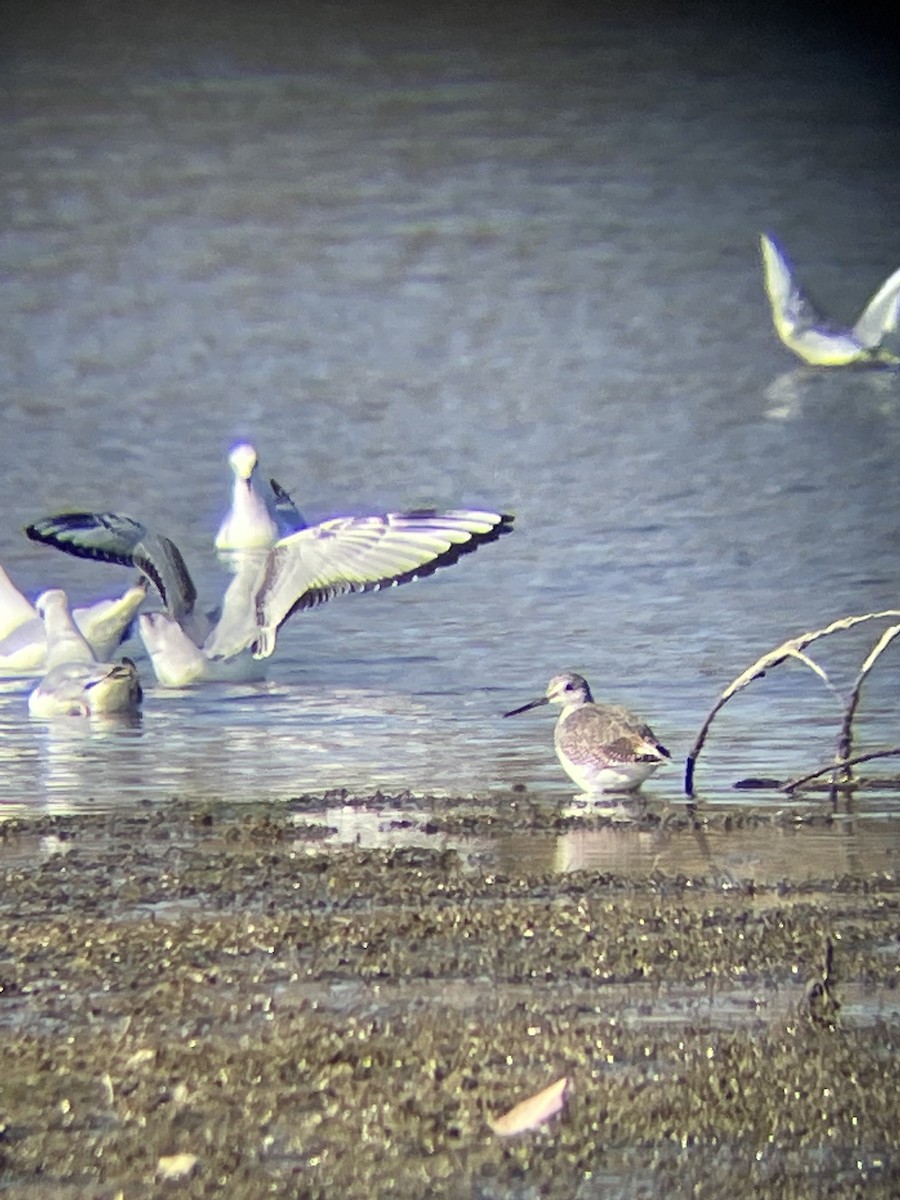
(105, 537)
(47, 529)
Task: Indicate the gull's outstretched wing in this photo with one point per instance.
(116, 538)
(349, 554)
(792, 310)
(107, 537)
(881, 315)
(812, 338)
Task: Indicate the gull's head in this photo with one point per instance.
(242, 459)
(53, 600)
(118, 690)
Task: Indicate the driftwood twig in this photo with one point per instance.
(845, 740)
(793, 784)
(792, 648)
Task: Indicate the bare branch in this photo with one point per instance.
(792, 648)
(814, 667)
(845, 740)
(793, 784)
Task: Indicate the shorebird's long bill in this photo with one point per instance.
(514, 712)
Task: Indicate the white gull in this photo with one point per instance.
(104, 624)
(804, 331)
(76, 684)
(15, 609)
(261, 511)
(310, 566)
(346, 554)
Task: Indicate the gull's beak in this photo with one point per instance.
(525, 707)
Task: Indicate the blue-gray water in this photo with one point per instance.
(446, 259)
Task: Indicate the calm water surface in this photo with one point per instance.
(421, 261)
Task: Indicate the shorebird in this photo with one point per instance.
(261, 510)
(813, 338)
(602, 747)
(76, 684)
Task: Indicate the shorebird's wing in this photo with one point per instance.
(116, 538)
(610, 732)
(351, 554)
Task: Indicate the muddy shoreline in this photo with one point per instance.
(207, 1000)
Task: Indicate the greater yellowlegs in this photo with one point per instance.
(261, 511)
(602, 747)
(811, 337)
(76, 684)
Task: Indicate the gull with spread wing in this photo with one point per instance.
(347, 554)
(310, 566)
(872, 339)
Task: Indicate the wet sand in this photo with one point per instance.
(209, 1001)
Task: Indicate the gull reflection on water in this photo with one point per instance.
(75, 757)
(788, 393)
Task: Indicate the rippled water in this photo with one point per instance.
(419, 261)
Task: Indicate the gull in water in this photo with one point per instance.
(261, 510)
(104, 625)
(602, 747)
(179, 662)
(302, 570)
(15, 609)
(811, 337)
(76, 684)
(172, 639)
